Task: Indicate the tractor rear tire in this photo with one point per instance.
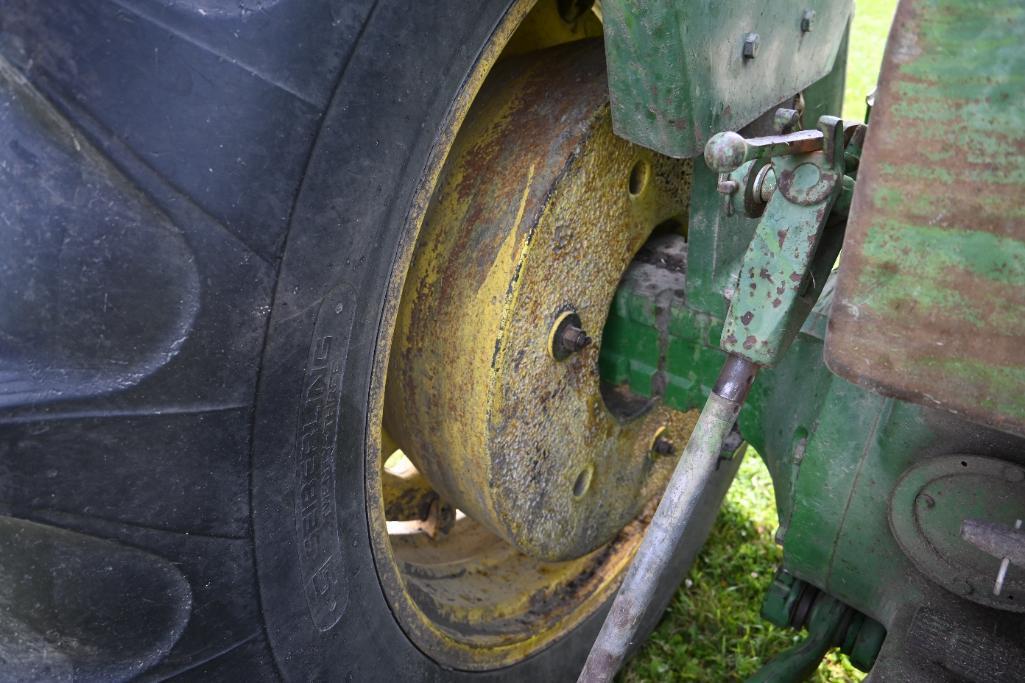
(202, 202)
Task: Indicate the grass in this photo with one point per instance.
(712, 630)
(872, 20)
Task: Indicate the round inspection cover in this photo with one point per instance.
(927, 509)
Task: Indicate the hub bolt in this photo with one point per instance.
(568, 336)
(663, 446)
(574, 339)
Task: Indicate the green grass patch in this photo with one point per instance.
(872, 19)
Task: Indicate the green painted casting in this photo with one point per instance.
(776, 287)
(678, 71)
(722, 238)
(931, 503)
(659, 343)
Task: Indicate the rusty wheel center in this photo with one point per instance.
(514, 497)
(497, 398)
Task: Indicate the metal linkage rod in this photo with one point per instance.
(728, 151)
(693, 473)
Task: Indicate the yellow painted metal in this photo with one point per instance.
(543, 27)
(538, 212)
(467, 598)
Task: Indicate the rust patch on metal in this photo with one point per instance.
(534, 217)
(930, 302)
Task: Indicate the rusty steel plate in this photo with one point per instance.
(538, 213)
(930, 304)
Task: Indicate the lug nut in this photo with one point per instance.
(567, 337)
(440, 519)
(663, 446)
(574, 339)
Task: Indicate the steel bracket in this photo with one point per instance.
(778, 280)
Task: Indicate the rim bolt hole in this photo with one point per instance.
(640, 174)
(583, 482)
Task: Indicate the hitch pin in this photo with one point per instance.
(728, 151)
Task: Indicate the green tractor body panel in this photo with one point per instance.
(931, 306)
(681, 70)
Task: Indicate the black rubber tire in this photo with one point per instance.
(197, 194)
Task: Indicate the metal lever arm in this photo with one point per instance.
(729, 151)
(776, 288)
(694, 471)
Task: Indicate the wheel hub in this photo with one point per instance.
(539, 211)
